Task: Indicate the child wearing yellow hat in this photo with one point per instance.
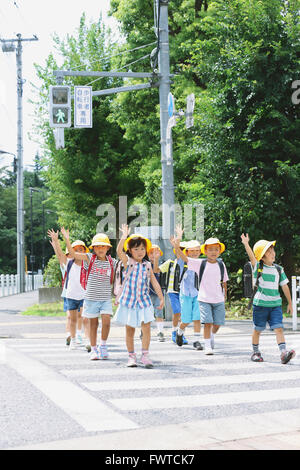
(267, 303)
(98, 295)
(73, 291)
(154, 255)
(135, 306)
(212, 287)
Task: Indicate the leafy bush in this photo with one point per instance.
(52, 275)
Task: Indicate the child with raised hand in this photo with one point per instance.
(154, 254)
(172, 269)
(135, 306)
(267, 302)
(54, 243)
(212, 279)
(74, 293)
(188, 296)
(97, 296)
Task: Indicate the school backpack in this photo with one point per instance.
(65, 279)
(120, 278)
(84, 273)
(165, 277)
(249, 290)
(198, 277)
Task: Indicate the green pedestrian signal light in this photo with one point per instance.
(60, 106)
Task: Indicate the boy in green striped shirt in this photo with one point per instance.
(267, 303)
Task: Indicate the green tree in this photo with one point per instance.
(98, 164)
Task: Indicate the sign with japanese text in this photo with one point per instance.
(83, 106)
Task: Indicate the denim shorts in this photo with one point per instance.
(175, 302)
(94, 308)
(73, 304)
(156, 303)
(189, 309)
(212, 313)
(263, 315)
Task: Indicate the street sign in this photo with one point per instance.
(171, 105)
(83, 106)
(60, 106)
(190, 104)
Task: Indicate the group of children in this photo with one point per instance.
(196, 288)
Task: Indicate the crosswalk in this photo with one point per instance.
(184, 384)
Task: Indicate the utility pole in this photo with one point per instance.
(8, 45)
(168, 215)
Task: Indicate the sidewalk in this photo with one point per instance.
(14, 324)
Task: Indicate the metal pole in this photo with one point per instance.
(31, 232)
(44, 237)
(164, 89)
(20, 182)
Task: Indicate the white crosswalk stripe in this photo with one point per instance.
(229, 377)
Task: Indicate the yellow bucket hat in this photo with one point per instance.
(100, 239)
(191, 244)
(261, 247)
(212, 241)
(137, 235)
(156, 246)
(79, 243)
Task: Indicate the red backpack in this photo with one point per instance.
(84, 273)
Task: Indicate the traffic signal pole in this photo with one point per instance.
(168, 214)
(8, 46)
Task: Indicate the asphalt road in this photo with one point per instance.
(53, 398)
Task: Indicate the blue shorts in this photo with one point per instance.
(156, 303)
(175, 302)
(74, 304)
(263, 315)
(212, 313)
(189, 309)
(94, 308)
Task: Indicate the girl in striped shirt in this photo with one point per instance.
(136, 309)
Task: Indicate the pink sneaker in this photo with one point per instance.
(132, 360)
(146, 361)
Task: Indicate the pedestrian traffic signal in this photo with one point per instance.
(60, 106)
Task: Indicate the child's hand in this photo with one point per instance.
(245, 239)
(125, 231)
(53, 235)
(161, 305)
(173, 241)
(289, 309)
(65, 233)
(179, 231)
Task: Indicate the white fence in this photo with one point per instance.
(9, 284)
(295, 299)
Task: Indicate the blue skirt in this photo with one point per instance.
(133, 317)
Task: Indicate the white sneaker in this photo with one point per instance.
(73, 344)
(94, 355)
(79, 341)
(209, 352)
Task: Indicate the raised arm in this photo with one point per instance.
(73, 253)
(62, 258)
(175, 242)
(245, 242)
(125, 232)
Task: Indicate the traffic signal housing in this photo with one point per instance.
(60, 106)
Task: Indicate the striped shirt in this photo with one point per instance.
(267, 294)
(98, 285)
(136, 286)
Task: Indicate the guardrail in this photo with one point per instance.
(9, 283)
(295, 299)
